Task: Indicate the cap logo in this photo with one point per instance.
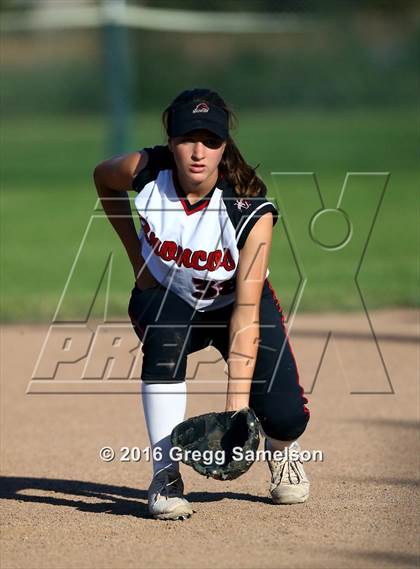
(201, 108)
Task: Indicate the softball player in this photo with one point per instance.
(201, 278)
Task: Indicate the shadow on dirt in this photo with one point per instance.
(394, 558)
(393, 423)
(99, 498)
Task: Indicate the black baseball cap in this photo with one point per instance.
(196, 115)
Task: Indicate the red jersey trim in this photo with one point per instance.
(189, 209)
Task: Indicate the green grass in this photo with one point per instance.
(48, 199)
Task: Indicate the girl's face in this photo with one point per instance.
(197, 154)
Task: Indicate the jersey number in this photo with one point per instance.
(206, 290)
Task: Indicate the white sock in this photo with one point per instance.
(164, 407)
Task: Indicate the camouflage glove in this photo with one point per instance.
(207, 443)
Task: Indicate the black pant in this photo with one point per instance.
(170, 331)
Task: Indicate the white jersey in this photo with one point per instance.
(193, 250)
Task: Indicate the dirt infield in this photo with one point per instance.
(64, 508)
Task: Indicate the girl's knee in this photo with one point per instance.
(287, 427)
(282, 422)
(165, 350)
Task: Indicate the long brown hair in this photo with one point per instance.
(232, 166)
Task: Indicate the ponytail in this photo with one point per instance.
(239, 173)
